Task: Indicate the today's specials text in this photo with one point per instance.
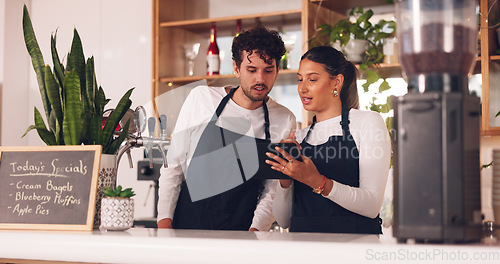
(48, 188)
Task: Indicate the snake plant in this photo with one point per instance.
(72, 100)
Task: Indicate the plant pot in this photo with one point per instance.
(107, 178)
(355, 50)
(117, 213)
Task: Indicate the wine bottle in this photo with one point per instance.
(213, 59)
(238, 27)
(238, 31)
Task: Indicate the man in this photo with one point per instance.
(210, 112)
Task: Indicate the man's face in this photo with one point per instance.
(256, 76)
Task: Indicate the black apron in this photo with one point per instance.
(337, 159)
(232, 209)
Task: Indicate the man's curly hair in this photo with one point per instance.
(267, 43)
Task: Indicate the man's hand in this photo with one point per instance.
(165, 223)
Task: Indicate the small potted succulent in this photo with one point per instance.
(117, 208)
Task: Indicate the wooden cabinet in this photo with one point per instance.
(490, 68)
(176, 23)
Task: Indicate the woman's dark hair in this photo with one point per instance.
(335, 63)
(265, 42)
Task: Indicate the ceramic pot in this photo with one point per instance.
(355, 50)
(107, 178)
(117, 213)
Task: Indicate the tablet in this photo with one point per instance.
(265, 171)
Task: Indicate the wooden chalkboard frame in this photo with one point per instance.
(88, 226)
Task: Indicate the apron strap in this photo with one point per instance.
(344, 122)
(224, 101)
(266, 121)
(222, 105)
(310, 129)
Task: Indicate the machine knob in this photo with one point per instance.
(146, 171)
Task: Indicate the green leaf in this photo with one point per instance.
(53, 93)
(372, 76)
(55, 127)
(44, 134)
(498, 113)
(388, 123)
(115, 117)
(366, 86)
(108, 192)
(115, 145)
(365, 17)
(28, 130)
(76, 60)
(58, 67)
(90, 81)
(385, 108)
(384, 86)
(96, 121)
(73, 110)
(36, 58)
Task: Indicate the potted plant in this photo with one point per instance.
(360, 30)
(117, 208)
(74, 105)
(346, 34)
(72, 100)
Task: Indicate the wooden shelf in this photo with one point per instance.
(492, 131)
(186, 79)
(287, 16)
(345, 6)
(387, 70)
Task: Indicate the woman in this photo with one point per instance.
(339, 186)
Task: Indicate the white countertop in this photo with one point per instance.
(143, 245)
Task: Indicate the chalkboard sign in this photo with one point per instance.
(51, 188)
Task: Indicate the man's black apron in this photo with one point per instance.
(230, 210)
(337, 159)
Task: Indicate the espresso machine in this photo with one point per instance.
(437, 124)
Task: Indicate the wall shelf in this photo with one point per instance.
(178, 22)
(204, 23)
(186, 79)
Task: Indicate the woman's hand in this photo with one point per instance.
(305, 171)
(291, 139)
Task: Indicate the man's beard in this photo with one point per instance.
(248, 93)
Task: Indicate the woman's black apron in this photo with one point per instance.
(230, 210)
(337, 159)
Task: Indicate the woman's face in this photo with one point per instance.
(315, 87)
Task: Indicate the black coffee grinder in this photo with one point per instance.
(437, 124)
